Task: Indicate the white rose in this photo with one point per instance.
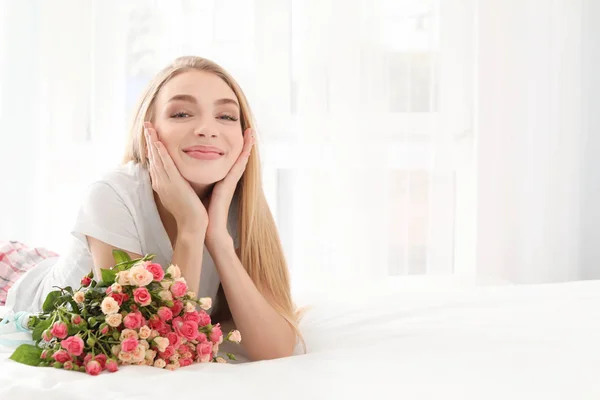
(166, 283)
(114, 320)
(174, 271)
(191, 294)
(160, 363)
(139, 354)
(140, 276)
(109, 306)
(150, 355)
(145, 332)
(145, 344)
(221, 360)
(205, 303)
(189, 307)
(165, 295)
(79, 297)
(128, 333)
(125, 357)
(122, 278)
(161, 343)
(235, 336)
(116, 288)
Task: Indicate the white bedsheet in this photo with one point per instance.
(414, 339)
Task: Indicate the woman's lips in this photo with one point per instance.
(203, 155)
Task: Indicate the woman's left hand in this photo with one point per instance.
(222, 195)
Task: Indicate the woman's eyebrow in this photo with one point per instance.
(227, 101)
(192, 99)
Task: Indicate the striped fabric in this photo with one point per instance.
(16, 259)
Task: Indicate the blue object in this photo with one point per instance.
(19, 320)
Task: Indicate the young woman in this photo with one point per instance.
(189, 192)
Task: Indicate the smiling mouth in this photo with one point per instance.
(203, 155)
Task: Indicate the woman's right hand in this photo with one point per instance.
(175, 193)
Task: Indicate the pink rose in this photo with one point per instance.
(86, 281)
(204, 348)
(61, 356)
(174, 339)
(133, 320)
(93, 368)
(59, 330)
(68, 365)
(104, 328)
(112, 365)
(179, 289)
(76, 319)
(156, 270)
(168, 353)
(177, 307)
(119, 297)
(101, 358)
(142, 296)
(201, 338)
(205, 358)
(187, 329)
(203, 318)
(185, 362)
(129, 345)
(73, 345)
(216, 335)
(191, 316)
(165, 314)
(182, 349)
(44, 354)
(163, 329)
(154, 322)
(46, 335)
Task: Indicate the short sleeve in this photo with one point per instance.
(104, 215)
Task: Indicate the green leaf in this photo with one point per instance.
(39, 328)
(231, 356)
(49, 303)
(120, 256)
(108, 276)
(69, 289)
(27, 354)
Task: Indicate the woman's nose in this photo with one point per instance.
(206, 131)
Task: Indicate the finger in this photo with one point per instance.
(168, 163)
(155, 160)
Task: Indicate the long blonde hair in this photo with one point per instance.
(260, 249)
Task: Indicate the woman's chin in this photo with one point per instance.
(202, 180)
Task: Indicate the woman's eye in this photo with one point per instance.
(180, 114)
(228, 117)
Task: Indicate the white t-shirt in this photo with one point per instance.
(120, 210)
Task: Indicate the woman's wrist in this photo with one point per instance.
(216, 244)
(190, 227)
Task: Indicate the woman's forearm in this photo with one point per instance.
(187, 255)
(265, 333)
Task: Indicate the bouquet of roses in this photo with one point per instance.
(138, 314)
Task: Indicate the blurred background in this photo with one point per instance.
(399, 137)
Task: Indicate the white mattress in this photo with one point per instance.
(410, 339)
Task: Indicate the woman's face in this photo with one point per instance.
(197, 118)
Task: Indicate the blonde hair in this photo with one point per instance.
(260, 249)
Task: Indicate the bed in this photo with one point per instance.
(421, 338)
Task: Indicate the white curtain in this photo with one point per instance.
(399, 137)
